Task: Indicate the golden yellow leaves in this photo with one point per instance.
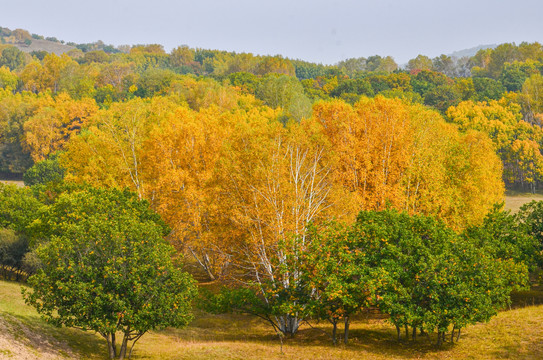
(405, 156)
(53, 122)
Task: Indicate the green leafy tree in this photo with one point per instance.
(531, 215)
(244, 80)
(428, 277)
(502, 54)
(505, 237)
(13, 248)
(341, 283)
(44, 172)
(421, 62)
(12, 57)
(487, 89)
(106, 268)
(444, 64)
(514, 75)
(442, 97)
(381, 64)
(154, 81)
(353, 86)
(352, 66)
(426, 80)
(285, 92)
(18, 208)
(307, 70)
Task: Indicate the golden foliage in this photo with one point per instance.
(53, 123)
(392, 154)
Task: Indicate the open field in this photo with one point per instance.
(514, 200)
(515, 334)
(13, 182)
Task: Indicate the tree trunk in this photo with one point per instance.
(452, 333)
(458, 335)
(288, 324)
(406, 332)
(124, 346)
(398, 331)
(334, 331)
(414, 337)
(439, 337)
(112, 348)
(210, 274)
(346, 337)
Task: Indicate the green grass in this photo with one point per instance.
(26, 326)
(515, 334)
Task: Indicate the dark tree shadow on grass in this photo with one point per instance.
(244, 328)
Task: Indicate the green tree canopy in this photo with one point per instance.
(44, 172)
(107, 268)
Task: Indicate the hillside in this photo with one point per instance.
(44, 45)
(515, 334)
(28, 43)
(23, 335)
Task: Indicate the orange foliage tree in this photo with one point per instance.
(516, 141)
(53, 123)
(392, 154)
(179, 158)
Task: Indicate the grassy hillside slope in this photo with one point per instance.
(23, 335)
(45, 45)
(515, 334)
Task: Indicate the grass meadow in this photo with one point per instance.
(513, 334)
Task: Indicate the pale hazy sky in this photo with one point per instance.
(313, 30)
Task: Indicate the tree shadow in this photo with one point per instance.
(244, 328)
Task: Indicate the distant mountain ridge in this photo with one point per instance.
(471, 51)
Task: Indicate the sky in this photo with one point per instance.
(312, 30)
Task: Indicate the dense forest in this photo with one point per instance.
(495, 92)
(266, 170)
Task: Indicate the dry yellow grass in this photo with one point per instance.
(513, 200)
(13, 182)
(515, 334)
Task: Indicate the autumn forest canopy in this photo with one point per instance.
(264, 169)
